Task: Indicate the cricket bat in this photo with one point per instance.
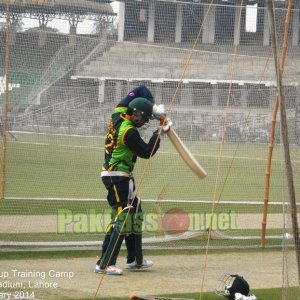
(149, 297)
(185, 153)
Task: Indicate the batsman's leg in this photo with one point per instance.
(130, 246)
(137, 229)
(117, 231)
(134, 240)
(108, 232)
(135, 258)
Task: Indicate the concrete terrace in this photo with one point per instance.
(132, 60)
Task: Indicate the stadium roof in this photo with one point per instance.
(80, 7)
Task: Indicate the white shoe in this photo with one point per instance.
(146, 264)
(110, 270)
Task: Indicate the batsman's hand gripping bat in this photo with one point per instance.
(185, 153)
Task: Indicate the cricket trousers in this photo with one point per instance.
(124, 224)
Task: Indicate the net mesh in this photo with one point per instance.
(64, 85)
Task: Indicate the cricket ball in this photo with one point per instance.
(175, 221)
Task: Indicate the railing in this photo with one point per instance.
(74, 103)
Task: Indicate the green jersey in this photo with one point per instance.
(118, 157)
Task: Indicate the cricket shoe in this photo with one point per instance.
(146, 264)
(110, 270)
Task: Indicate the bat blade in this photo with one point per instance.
(186, 155)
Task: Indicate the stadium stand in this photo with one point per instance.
(60, 74)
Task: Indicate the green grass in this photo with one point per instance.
(47, 255)
(58, 166)
(38, 207)
(199, 241)
(7, 255)
(261, 294)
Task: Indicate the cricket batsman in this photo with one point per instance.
(122, 147)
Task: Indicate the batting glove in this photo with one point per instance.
(166, 125)
(159, 111)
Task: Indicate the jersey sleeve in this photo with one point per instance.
(135, 143)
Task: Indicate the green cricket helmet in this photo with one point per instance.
(143, 106)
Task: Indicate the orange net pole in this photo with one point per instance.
(272, 133)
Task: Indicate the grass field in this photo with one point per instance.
(69, 167)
